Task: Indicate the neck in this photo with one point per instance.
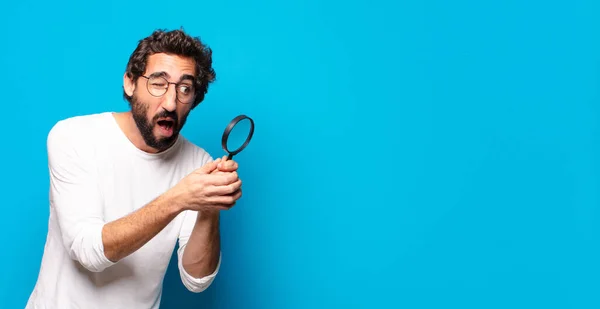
(131, 131)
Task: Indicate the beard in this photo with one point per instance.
(146, 127)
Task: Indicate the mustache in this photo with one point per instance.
(167, 114)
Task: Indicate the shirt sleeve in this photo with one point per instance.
(193, 284)
(74, 197)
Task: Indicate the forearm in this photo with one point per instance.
(201, 254)
(127, 234)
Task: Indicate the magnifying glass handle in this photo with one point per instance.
(230, 156)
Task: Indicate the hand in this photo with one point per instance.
(227, 166)
(209, 189)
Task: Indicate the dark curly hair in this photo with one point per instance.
(173, 42)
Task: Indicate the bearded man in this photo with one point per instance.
(126, 187)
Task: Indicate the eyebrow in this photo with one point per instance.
(167, 76)
(187, 77)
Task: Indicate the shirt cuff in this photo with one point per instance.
(193, 284)
(88, 249)
(103, 261)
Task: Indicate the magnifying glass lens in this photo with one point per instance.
(238, 135)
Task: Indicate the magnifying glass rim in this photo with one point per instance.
(228, 129)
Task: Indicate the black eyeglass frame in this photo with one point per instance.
(167, 88)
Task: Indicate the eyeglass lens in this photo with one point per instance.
(158, 86)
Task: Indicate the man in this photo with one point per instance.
(125, 187)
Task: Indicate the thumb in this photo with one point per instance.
(209, 167)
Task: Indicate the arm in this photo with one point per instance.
(199, 253)
(77, 204)
(126, 235)
(201, 257)
(202, 253)
(74, 197)
(200, 243)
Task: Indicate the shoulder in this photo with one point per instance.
(75, 132)
(80, 125)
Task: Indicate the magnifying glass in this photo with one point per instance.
(237, 135)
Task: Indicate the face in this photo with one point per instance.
(161, 118)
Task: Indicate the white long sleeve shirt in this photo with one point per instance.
(96, 176)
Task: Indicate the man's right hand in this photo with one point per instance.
(204, 190)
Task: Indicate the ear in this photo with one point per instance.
(128, 85)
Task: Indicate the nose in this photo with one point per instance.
(169, 102)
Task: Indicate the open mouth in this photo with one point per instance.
(166, 125)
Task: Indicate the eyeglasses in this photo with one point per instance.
(158, 86)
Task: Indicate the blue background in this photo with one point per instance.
(407, 154)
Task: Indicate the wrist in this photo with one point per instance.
(209, 216)
(174, 200)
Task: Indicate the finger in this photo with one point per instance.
(218, 170)
(237, 194)
(227, 166)
(223, 200)
(209, 167)
(225, 189)
(221, 179)
(233, 188)
(226, 200)
(213, 207)
(227, 169)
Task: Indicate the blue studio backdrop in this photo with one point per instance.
(407, 154)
